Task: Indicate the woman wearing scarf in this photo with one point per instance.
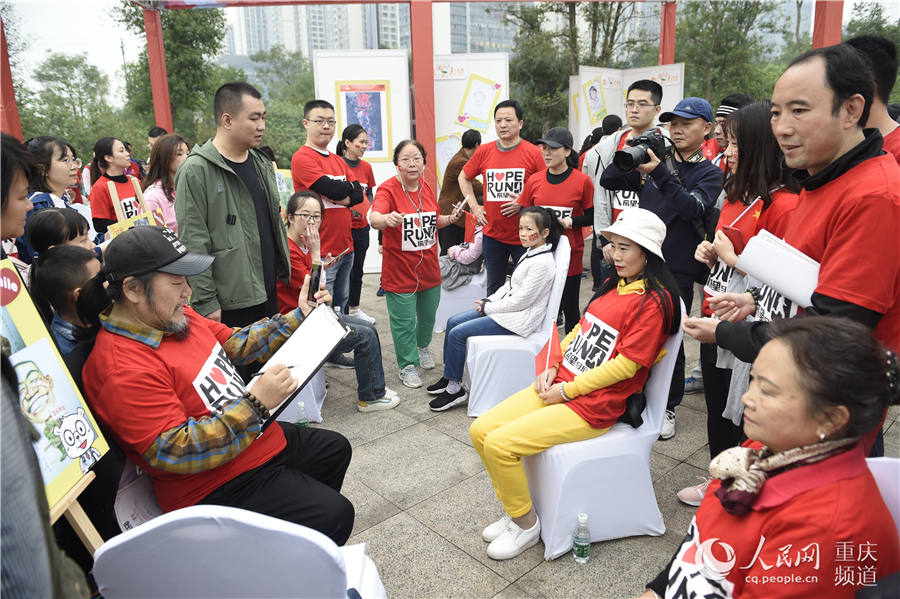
(795, 511)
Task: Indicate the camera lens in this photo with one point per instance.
(628, 158)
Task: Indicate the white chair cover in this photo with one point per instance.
(607, 478)
(500, 365)
(887, 474)
(459, 300)
(312, 396)
(216, 551)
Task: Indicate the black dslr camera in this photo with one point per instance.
(627, 159)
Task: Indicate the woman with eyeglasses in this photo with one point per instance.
(55, 173)
(304, 215)
(353, 144)
(406, 210)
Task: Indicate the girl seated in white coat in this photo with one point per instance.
(517, 308)
(605, 359)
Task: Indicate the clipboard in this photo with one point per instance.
(305, 351)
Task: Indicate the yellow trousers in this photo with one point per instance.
(521, 426)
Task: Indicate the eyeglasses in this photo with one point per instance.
(313, 218)
(416, 160)
(324, 122)
(631, 105)
(69, 161)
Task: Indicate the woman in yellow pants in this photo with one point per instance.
(606, 358)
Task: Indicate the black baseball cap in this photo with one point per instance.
(140, 250)
(557, 137)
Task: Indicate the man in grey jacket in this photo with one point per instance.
(228, 207)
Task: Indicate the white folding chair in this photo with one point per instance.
(459, 300)
(498, 366)
(607, 477)
(215, 551)
(887, 474)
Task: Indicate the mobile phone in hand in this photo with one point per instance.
(315, 275)
(736, 237)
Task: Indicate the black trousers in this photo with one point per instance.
(676, 388)
(721, 432)
(569, 302)
(360, 247)
(450, 236)
(301, 484)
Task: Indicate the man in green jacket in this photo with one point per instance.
(228, 207)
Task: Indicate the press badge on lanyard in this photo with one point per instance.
(417, 232)
(591, 347)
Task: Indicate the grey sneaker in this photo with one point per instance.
(340, 361)
(377, 405)
(693, 385)
(426, 360)
(409, 376)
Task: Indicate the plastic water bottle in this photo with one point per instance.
(302, 419)
(581, 542)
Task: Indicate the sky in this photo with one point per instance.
(76, 26)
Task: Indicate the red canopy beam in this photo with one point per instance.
(667, 33)
(422, 49)
(827, 23)
(159, 80)
(9, 112)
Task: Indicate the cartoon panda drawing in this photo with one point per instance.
(77, 436)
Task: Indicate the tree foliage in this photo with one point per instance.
(286, 81)
(870, 19)
(721, 45)
(193, 38)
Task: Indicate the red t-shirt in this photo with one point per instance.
(359, 214)
(773, 219)
(505, 173)
(891, 144)
(613, 324)
(139, 392)
(567, 199)
(101, 201)
(849, 225)
(308, 166)
(710, 148)
(301, 264)
(410, 259)
(820, 530)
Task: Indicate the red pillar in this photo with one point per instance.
(422, 47)
(159, 80)
(827, 23)
(667, 33)
(9, 112)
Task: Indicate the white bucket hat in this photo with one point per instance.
(640, 226)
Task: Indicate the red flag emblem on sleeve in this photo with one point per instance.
(550, 354)
(470, 228)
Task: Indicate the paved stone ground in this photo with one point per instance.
(422, 495)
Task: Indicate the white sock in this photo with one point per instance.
(453, 386)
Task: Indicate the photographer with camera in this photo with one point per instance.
(679, 185)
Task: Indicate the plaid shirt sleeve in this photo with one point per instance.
(258, 341)
(199, 445)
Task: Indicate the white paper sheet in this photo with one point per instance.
(783, 267)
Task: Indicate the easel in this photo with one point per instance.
(74, 513)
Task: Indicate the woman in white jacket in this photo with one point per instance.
(517, 308)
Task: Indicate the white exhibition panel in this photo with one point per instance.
(596, 92)
(467, 87)
(382, 77)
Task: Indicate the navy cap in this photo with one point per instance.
(557, 137)
(690, 108)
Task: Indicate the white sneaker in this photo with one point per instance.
(409, 376)
(513, 541)
(694, 495)
(426, 360)
(390, 393)
(492, 531)
(668, 429)
(363, 316)
(377, 405)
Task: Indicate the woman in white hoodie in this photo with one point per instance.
(517, 308)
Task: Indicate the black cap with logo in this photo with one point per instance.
(557, 137)
(140, 250)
